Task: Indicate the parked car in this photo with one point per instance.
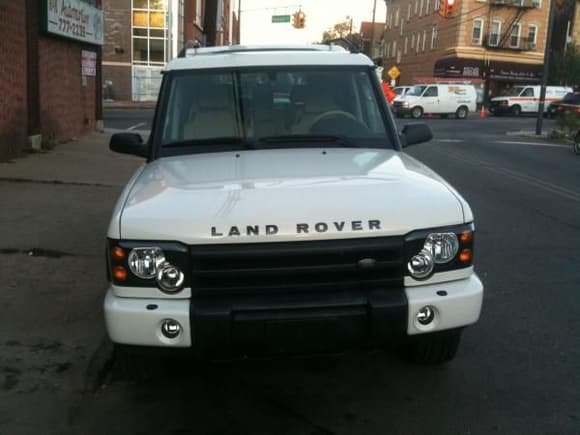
(569, 104)
(525, 99)
(261, 227)
(437, 99)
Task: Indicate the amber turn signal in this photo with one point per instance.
(118, 253)
(465, 256)
(466, 237)
(120, 273)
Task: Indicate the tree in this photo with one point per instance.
(342, 30)
(565, 69)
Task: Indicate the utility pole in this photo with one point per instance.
(547, 56)
(371, 54)
(239, 20)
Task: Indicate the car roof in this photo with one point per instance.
(235, 56)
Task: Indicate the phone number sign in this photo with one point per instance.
(75, 19)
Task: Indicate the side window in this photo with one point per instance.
(528, 92)
(431, 92)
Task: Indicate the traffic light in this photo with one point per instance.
(448, 8)
(298, 19)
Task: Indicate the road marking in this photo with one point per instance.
(136, 126)
(535, 144)
(532, 181)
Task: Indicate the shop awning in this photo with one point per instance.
(457, 67)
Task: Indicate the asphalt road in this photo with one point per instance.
(128, 119)
(517, 370)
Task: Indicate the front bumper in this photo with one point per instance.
(499, 109)
(401, 111)
(277, 324)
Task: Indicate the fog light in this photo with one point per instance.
(421, 265)
(425, 315)
(169, 278)
(170, 328)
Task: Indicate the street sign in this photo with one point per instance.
(280, 18)
(394, 73)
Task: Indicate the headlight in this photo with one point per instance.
(443, 246)
(169, 278)
(165, 265)
(421, 265)
(405, 104)
(439, 250)
(144, 262)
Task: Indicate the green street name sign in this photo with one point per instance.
(280, 18)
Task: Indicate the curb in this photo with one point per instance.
(132, 105)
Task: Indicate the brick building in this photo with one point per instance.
(492, 42)
(141, 36)
(50, 73)
(366, 32)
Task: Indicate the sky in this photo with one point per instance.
(257, 26)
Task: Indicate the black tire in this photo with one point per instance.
(577, 143)
(432, 348)
(461, 112)
(516, 110)
(416, 112)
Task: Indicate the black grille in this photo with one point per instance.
(298, 266)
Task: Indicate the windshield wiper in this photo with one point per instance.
(226, 142)
(314, 139)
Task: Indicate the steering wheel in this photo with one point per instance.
(333, 114)
(338, 123)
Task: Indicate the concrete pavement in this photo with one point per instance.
(54, 212)
(86, 161)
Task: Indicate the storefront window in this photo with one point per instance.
(157, 19)
(149, 32)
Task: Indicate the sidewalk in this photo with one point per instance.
(137, 105)
(85, 161)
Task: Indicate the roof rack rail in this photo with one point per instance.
(229, 49)
(351, 46)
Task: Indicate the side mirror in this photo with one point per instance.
(415, 133)
(128, 143)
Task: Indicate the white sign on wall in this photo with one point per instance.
(89, 63)
(75, 19)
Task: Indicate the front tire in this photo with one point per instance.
(432, 348)
(461, 112)
(417, 112)
(516, 110)
(577, 143)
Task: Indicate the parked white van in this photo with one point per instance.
(437, 99)
(525, 99)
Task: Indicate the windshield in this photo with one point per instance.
(572, 98)
(513, 92)
(293, 107)
(416, 91)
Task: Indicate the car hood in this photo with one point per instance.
(336, 193)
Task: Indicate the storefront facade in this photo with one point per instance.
(51, 77)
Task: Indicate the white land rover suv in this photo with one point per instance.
(277, 214)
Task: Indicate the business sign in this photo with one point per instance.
(75, 19)
(89, 63)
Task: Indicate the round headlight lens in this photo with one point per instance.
(144, 262)
(443, 246)
(422, 264)
(169, 278)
